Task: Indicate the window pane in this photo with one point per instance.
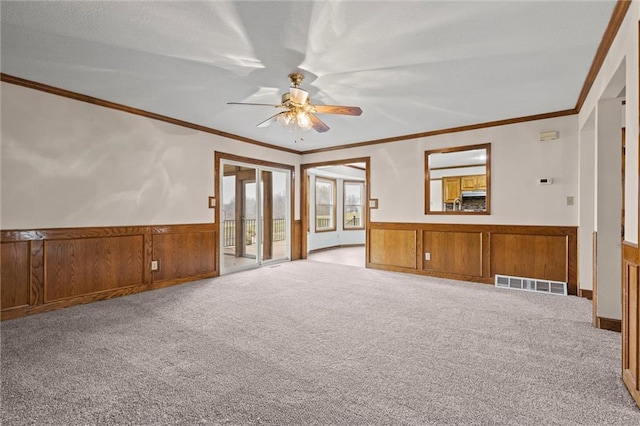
(353, 193)
(325, 190)
(353, 219)
(353, 205)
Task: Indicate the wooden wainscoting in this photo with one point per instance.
(537, 256)
(476, 252)
(184, 253)
(80, 266)
(453, 252)
(16, 260)
(631, 319)
(48, 269)
(587, 294)
(296, 240)
(393, 248)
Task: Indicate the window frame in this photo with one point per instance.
(344, 205)
(333, 205)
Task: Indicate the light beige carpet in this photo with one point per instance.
(351, 256)
(308, 343)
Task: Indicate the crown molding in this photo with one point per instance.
(449, 130)
(619, 12)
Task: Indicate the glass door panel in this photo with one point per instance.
(255, 216)
(275, 215)
(238, 216)
(249, 218)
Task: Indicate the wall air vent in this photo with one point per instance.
(531, 284)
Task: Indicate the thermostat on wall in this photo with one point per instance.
(545, 181)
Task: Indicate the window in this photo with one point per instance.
(353, 208)
(325, 205)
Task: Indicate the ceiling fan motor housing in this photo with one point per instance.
(296, 96)
(296, 79)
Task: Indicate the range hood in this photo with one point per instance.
(479, 193)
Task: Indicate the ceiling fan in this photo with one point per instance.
(299, 111)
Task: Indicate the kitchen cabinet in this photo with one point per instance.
(450, 189)
(473, 183)
(468, 183)
(481, 182)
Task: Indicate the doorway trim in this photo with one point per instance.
(219, 157)
(304, 197)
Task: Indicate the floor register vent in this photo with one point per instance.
(531, 284)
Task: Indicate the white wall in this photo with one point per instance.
(518, 159)
(608, 197)
(623, 49)
(67, 163)
(619, 70)
(587, 203)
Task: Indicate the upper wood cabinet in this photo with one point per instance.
(450, 189)
(481, 182)
(473, 183)
(468, 183)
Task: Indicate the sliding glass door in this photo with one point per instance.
(255, 216)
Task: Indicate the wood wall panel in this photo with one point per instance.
(15, 272)
(185, 254)
(80, 265)
(476, 252)
(296, 241)
(530, 256)
(147, 256)
(49, 269)
(396, 248)
(37, 272)
(633, 313)
(631, 320)
(76, 267)
(610, 324)
(453, 252)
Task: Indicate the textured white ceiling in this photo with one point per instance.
(412, 66)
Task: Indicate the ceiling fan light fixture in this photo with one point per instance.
(295, 119)
(299, 114)
(285, 119)
(298, 96)
(303, 120)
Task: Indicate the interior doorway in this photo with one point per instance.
(254, 213)
(335, 210)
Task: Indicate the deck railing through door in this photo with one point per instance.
(229, 226)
